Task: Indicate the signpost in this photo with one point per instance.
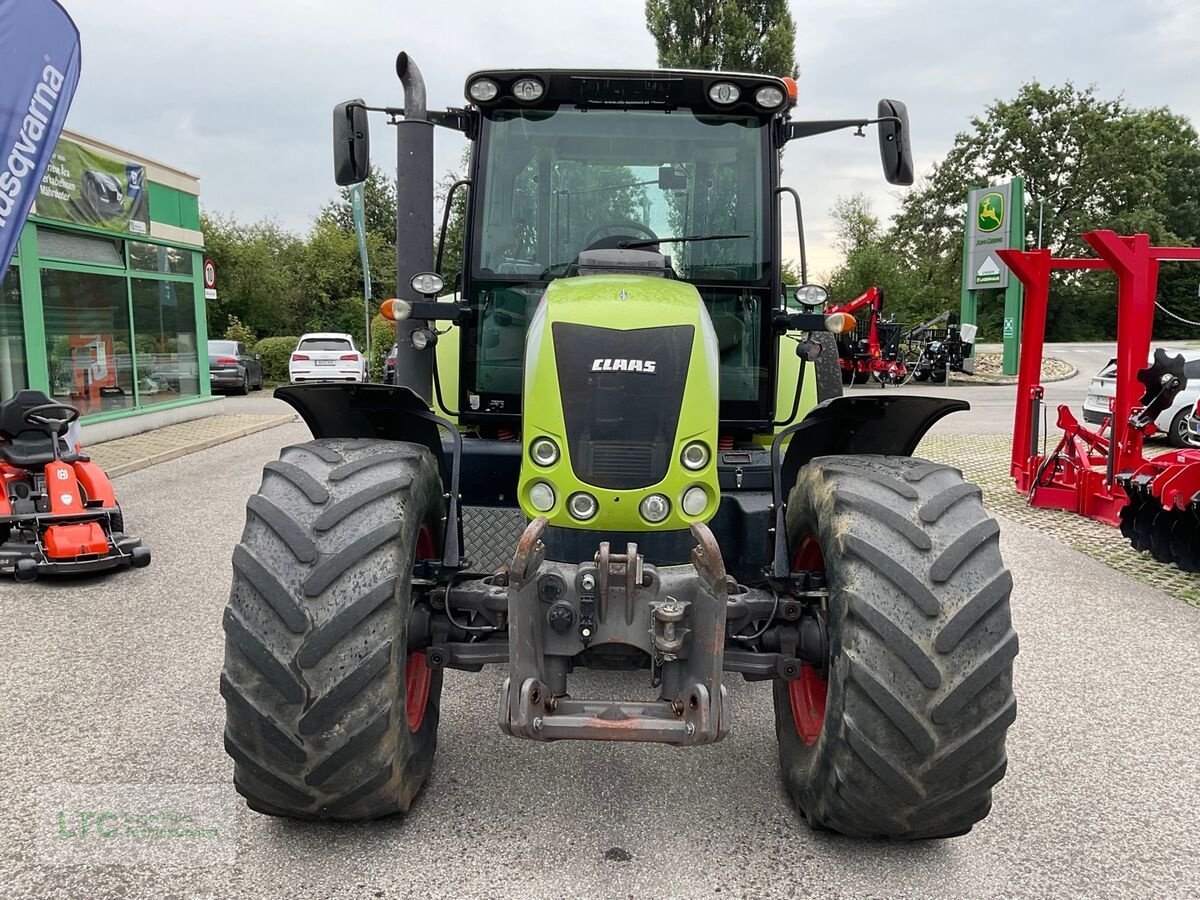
(995, 221)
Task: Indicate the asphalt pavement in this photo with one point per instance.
(113, 682)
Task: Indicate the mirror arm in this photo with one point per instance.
(455, 119)
(800, 226)
(796, 130)
(437, 263)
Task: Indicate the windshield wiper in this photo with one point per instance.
(630, 245)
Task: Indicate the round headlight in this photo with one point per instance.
(541, 497)
(695, 499)
(422, 338)
(481, 90)
(427, 283)
(528, 90)
(582, 506)
(695, 456)
(768, 97)
(655, 508)
(544, 451)
(724, 93)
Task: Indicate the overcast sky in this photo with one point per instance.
(240, 92)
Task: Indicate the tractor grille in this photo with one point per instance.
(621, 394)
(621, 461)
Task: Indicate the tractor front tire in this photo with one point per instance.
(828, 367)
(901, 733)
(328, 714)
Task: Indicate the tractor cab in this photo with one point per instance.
(569, 165)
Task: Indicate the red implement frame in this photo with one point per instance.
(1081, 474)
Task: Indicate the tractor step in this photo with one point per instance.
(674, 615)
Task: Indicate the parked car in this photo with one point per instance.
(1193, 421)
(1173, 421)
(326, 356)
(389, 367)
(232, 367)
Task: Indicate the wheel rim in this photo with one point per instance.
(417, 674)
(809, 692)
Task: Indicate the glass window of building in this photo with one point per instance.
(164, 322)
(13, 374)
(145, 257)
(88, 348)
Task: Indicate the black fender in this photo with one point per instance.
(488, 469)
(845, 426)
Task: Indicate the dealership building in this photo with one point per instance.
(103, 305)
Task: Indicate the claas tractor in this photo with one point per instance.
(618, 362)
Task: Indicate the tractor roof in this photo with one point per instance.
(634, 89)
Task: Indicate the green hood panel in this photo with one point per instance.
(623, 395)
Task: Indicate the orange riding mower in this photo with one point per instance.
(58, 513)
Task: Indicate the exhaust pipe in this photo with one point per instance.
(414, 222)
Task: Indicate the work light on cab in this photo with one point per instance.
(724, 93)
(769, 97)
(483, 90)
(528, 90)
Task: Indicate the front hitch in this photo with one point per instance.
(675, 615)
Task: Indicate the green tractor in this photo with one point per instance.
(620, 367)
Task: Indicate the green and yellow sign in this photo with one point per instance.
(87, 187)
(989, 212)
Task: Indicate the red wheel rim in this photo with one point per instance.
(808, 693)
(417, 674)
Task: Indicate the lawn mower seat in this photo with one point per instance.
(27, 445)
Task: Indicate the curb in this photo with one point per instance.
(993, 380)
(176, 452)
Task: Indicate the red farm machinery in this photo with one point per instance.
(1104, 474)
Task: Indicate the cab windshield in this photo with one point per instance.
(556, 183)
(552, 183)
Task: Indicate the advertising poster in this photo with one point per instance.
(86, 187)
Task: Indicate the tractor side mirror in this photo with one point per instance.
(351, 143)
(895, 147)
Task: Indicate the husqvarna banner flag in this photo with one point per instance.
(39, 69)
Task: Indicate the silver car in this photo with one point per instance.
(1172, 422)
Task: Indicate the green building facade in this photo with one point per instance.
(102, 307)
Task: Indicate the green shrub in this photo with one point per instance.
(239, 332)
(383, 335)
(275, 353)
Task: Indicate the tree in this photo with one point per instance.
(733, 35)
(1088, 163)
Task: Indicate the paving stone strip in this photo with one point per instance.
(128, 454)
(984, 459)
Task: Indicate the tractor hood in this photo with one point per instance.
(621, 372)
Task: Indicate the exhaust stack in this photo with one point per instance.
(414, 222)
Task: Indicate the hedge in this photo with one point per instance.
(276, 352)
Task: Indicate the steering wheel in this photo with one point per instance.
(625, 228)
(54, 417)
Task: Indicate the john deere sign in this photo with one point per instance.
(988, 232)
(995, 220)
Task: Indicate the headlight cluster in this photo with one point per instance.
(527, 90)
(726, 93)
